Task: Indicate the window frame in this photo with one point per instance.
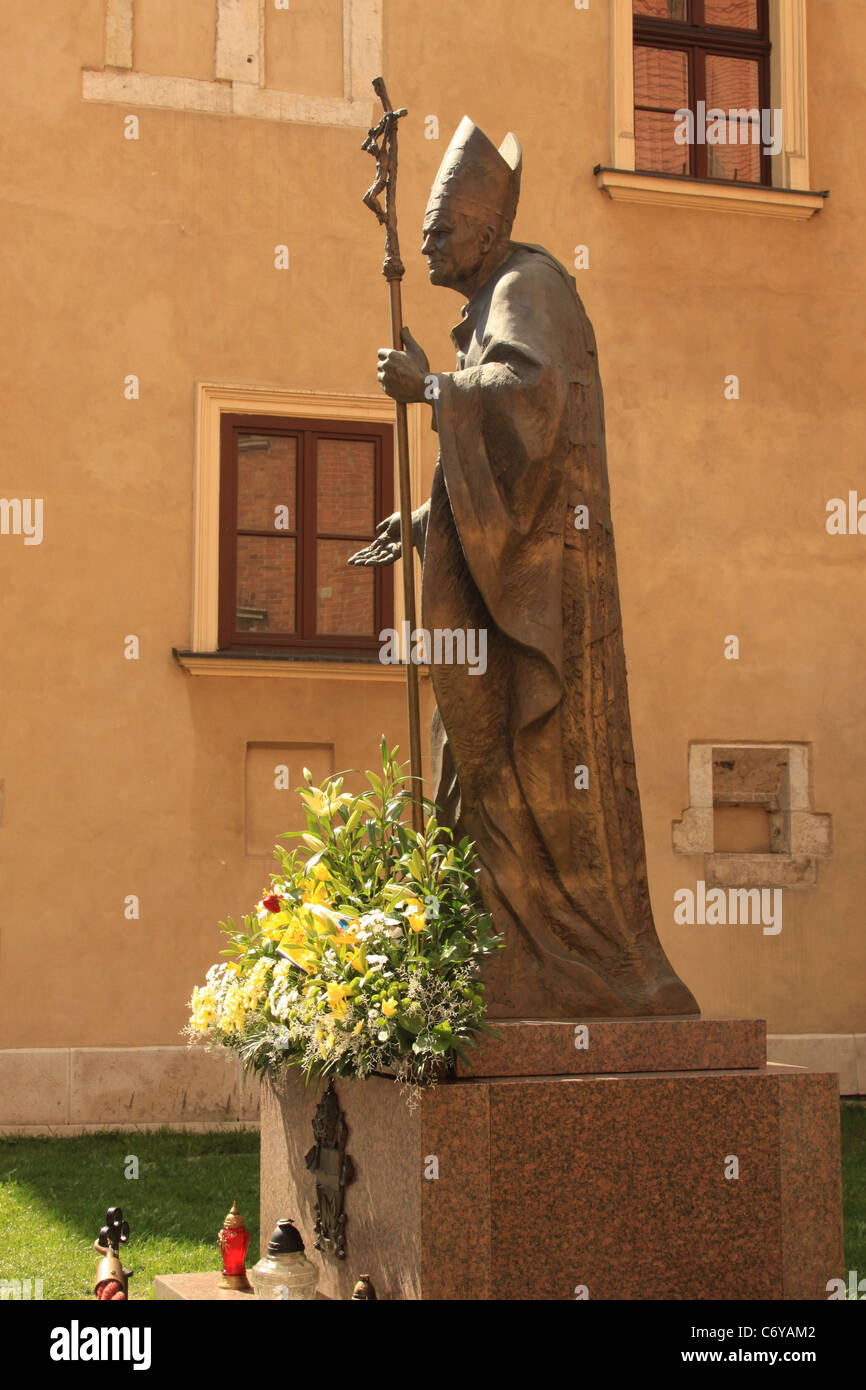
(306, 430)
(699, 39)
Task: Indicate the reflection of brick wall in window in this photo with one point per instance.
(345, 594)
(345, 481)
(660, 79)
(266, 584)
(733, 84)
(266, 481)
(267, 501)
(661, 82)
(662, 9)
(737, 14)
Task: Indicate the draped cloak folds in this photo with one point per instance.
(521, 433)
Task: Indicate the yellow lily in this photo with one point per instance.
(337, 1000)
(415, 915)
(417, 921)
(295, 936)
(314, 893)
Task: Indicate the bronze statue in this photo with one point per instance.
(516, 541)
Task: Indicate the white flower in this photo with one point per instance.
(278, 1004)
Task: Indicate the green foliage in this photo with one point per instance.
(854, 1184)
(364, 956)
(54, 1194)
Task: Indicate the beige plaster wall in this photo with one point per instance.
(156, 257)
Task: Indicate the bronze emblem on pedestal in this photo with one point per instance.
(333, 1170)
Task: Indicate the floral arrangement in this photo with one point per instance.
(364, 954)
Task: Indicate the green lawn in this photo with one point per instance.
(854, 1184)
(54, 1192)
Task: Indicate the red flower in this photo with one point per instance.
(271, 902)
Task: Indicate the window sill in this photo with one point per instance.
(760, 870)
(289, 666)
(712, 195)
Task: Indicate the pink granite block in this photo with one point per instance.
(529, 1047)
(618, 1185)
(811, 1183)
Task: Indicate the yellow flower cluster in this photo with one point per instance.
(337, 999)
(276, 924)
(233, 1013)
(203, 1009)
(255, 984)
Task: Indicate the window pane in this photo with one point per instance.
(733, 87)
(662, 9)
(732, 14)
(346, 479)
(344, 594)
(267, 482)
(654, 146)
(661, 78)
(266, 584)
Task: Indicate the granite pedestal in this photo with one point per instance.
(621, 1159)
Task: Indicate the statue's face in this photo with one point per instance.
(455, 246)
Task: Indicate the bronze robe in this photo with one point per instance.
(521, 431)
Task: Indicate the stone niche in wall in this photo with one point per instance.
(272, 774)
(306, 60)
(750, 815)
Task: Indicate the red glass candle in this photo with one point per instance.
(234, 1241)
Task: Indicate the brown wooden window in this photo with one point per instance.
(703, 55)
(297, 498)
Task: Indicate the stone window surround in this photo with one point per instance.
(789, 197)
(212, 401)
(808, 834)
(239, 85)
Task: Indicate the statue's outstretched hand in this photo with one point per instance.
(385, 549)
